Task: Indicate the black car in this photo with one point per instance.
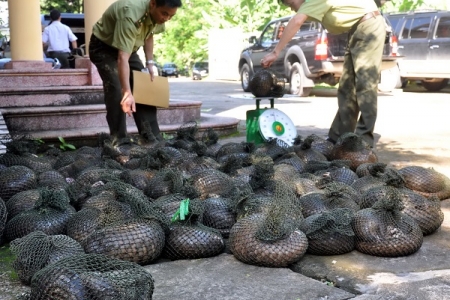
(424, 41)
(200, 70)
(169, 69)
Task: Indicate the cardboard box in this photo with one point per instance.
(145, 91)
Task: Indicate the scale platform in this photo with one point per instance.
(265, 123)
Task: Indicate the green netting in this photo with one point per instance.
(36, 250)
(92, 277)
(383, 230)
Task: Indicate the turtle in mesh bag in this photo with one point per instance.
(189, 238)
(384, 230)
(333, 195)
(139, 240)
(22, 201)
(320, 144)
(214, 183)
(336, 172)
(274, 148)
(351, 146)
(16, 179)
(375, 176)
(36, 250)
(219, 213)
(330, 232)
(306, 152)
(91, 277)
(425, 211)
(291, 159)
(3, 218)
(271, 239)
(50, 215)
(426, 181)
(52, 179)
(266, 83)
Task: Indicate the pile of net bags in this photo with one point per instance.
(84, 223)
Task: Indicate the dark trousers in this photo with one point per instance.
(63, 58)
(104, 57)
(358, 86)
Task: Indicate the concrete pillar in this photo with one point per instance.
(93, 10)
(25, 35)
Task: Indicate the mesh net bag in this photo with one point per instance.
(291, 159)
(383, 230)
(137, 240)
(16, 179)
(426, 212)
(35, 163)
(352, 147)
(306, 152)
(189, 238)
(37, 250)
(90, 277)
(213, 183)
(274, 148)
(93, 217)
(3, 217)
(271, 239)
(50, 215)
(52, 179)
(219, 213)
(165, 182)
(253, 204)
(330, 232)
(265, 83)
(230, 148)
(312, 203)
(426, 181)
(320, 144)
(137, 178)
(371, 169)
(22, 201)
(343, 175)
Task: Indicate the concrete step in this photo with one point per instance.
(13, 78)
(223, 126)
(47, 118)
(20, 97)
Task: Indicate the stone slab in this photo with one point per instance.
(224, 277)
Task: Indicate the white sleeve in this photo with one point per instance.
(72, 37)
(45, 36)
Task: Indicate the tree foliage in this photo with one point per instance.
(186, 37)
(65, 6)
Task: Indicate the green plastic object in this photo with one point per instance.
(252, 117)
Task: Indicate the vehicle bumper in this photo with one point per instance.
(336, 65)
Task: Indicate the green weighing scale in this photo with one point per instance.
(268, 123)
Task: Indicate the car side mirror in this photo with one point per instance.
(252, 39)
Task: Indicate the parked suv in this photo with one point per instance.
(312, 56)
(424, 41)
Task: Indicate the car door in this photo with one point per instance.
(413, 43)
(265, 44)
(440, 46)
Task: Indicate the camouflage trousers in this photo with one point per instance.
(104, 57)
(358, 86)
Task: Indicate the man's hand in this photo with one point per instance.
(128, 104)
(268, 60)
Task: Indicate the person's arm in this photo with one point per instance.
(291, 29)
(148, 50)
(127, 103)
(74, 44)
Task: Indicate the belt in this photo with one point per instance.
(369, 15)
(58, 52)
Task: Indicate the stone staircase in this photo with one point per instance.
(48, 104)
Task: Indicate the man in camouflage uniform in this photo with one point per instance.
(124, 27)
(358, 86)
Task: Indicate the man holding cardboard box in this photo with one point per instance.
(124, 27)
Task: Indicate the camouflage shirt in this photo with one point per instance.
(126, 24)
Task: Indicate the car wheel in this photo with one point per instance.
(436, 85)
(245, 77)
(296, 81)
(390, 80)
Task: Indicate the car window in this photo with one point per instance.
(443, 28)
(394, 24)
(268, 35)
(416, 28)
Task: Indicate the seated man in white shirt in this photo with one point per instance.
(57, 37)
